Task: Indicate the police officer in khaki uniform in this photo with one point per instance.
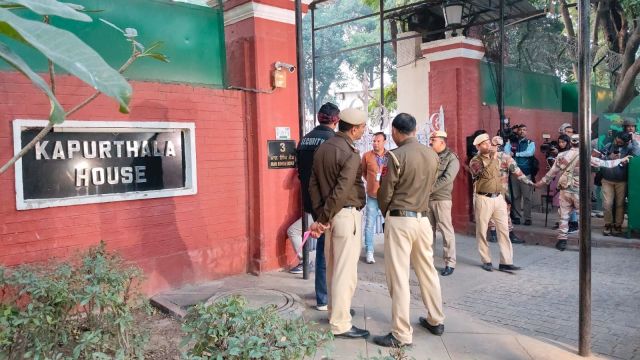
(490, 203)
(337, 195)
(403, 197)
(440, 202)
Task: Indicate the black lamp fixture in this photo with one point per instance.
(452, 10)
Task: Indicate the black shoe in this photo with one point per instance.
(435, 330)
(389, 341)
(493, 236)
(573, 227)
(515, 221)
(514, 238)
(448, 270)
(353, 333)
(487, 267)
(509, 267)
(561, 245)
(527, 222)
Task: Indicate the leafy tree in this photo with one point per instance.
(327, 41)
(334, 66)
(616, 27)
(68, 52)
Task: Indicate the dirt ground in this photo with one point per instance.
(165, 336)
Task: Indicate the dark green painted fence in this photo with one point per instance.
(193, 38)
(600, 99)
(522, 89)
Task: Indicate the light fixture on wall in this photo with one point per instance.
(452, 10)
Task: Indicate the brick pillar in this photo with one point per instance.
(258, 34)
(454, 84)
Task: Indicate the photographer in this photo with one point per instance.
(522, 150)
(614, 182)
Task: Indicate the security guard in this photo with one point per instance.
(328, 119)
(403, 197)
(440, 201)
(567, 169)
(337, 195)
(490, 203)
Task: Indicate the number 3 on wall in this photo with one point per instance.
(282, 147)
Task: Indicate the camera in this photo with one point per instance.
(510, 133)
(550, 150)
(279, 65)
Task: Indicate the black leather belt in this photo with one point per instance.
(491, 195)
(407, 213)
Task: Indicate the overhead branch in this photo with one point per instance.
(568, 25)
(629, 56)
(625, 92)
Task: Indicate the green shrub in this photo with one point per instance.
(229, 329)
(80, 309)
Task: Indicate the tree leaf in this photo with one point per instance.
(57, 112)
(52, 7)
(7, 30)
(157, 56)
(73, 55)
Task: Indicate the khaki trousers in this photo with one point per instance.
(409, 241)
(613, 191)
(495, 209)
(342, 252)
(521, 195)
(440, 216)
(569, 202)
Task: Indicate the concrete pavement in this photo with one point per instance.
(529, 315)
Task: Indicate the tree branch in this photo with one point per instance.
(625, 91)
(568, 25)
(52, 74)
(629, 55)
(47, 129)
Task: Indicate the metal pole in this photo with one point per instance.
(501, 69)
(313, 61)
(584, 118)
(381, 58)
(300, 66)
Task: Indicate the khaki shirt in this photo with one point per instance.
(483, 170)
(336, 178)
(447, 170)
(486, 173)
(410, 187)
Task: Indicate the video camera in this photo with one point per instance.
(509, 134)
(550, 149)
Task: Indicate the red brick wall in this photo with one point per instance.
(274, 194)
(454, 84)
(175, 240)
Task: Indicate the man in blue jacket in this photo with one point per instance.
(522, 150)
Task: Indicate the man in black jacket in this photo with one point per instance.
(614, 183)
(328, 119)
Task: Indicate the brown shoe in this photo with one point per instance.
(617, 230)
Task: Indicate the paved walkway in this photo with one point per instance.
(529, 315)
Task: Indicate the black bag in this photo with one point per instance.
(597, 180)
(535, 167)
